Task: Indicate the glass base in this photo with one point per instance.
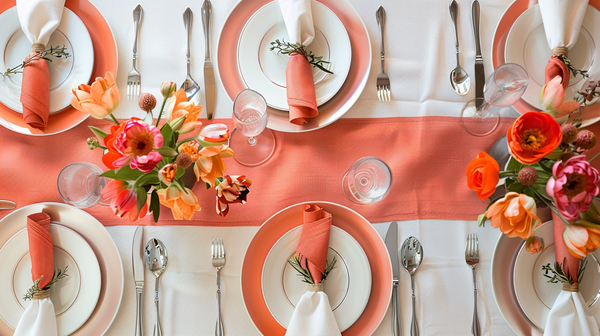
(252, 155)
(367, 181)
(479, 118)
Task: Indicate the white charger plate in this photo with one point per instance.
(263, 70)
(74, 297)
(527, 46)
(65, 73)
(535, 295)
(348, 299)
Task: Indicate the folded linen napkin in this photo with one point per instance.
(39, 19)
(562, 22)
(313, 315)
(302, 101)
(39, 318)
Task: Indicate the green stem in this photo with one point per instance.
(113, 118)
(162, 107)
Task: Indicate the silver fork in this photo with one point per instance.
(383, 81)
(472, 259)
(218, 261)
(133, 78)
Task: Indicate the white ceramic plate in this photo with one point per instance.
(65, 73)
(348, 299)
(263, 70)
(74, 297)
(105, 250)
(535, 295)
(526, 45)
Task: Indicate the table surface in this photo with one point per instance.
(419, 57)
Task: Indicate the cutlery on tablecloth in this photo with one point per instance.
(391, 242)
(156, 258)
(191, 88)
(472, 259)
(137, 260)
(7, 205)
(218, 261)
(479, 71)
(133, 78)
(209, 74)
(412, 257)
(383, 81)
(460, 80)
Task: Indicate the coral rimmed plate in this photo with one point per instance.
(344, 218)
(227, 63)
(590, 115)
(94, 233)
(105, 59)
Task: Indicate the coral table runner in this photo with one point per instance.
(427, 157)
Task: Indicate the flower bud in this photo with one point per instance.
(552, 94)
(93, 143)
(167, 89)
(569, 133)
(585, 139)
(184, 160)
(178, 123)
(527, 176)
(147, 102)
(213, 135)
(534, 244)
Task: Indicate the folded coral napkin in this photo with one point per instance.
(561, 253)
(562, 22)
(39, 19)
(39, 318)
(302, 101)
(313, 315)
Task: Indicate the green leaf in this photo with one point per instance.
(167, 133)
(481, 220)
(514, 165)
(167, 151)
(150, 178)
(155, 205)
(179, 173)
(545, 167)
(124, 173)
(98, 132)
(141, 197)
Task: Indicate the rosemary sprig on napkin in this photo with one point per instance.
(58, 275)
(558, 273)
(288, 48)
(572, 68)
(58, 52)
(305, 274)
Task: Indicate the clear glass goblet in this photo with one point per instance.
(251, 141)
(367, 181)
(504, 87)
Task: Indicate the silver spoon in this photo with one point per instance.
(191, 88)
(156, 256)
(458, 77)
(412, 255)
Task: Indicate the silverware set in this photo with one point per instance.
(383, 81)
(209, 75)
(472, 259)
(133, 78)
(218, 261)
(189, 85)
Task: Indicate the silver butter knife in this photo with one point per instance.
(479, 71)
(7, 205)
(209, 74)
(391, 242)
(137, 260)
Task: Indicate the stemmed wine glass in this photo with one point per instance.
(251, 141)
(504, 87)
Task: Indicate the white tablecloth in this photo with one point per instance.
(419, 58)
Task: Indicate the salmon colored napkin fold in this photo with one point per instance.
(35, 93)
(314, 241)
(41, 249)
(301, 96)
(556, 67)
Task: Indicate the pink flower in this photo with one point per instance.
(134, 142)
(552, 94)
(573, 186)
(123, 200)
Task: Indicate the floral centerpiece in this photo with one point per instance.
(147, 161)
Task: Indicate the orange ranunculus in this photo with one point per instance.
(179, 107)
(483, 175)
(182, 203)
(98, 99)
(515, 215)
(533, 136)
(581, 240)
(210, 164)
(190, 147)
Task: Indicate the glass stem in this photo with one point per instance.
(481, 110)
(252, 141)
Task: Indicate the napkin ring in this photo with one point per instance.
(571, 288)
(558, 51)
(315, 287)
(40, 295)
(38, 47)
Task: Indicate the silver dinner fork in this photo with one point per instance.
(133, 78)
(218, 261)
(472, 259)
(383, 81)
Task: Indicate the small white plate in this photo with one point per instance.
(263, 70)
(526, 45)
(65, 73)
(282, 287)
(74, 297)
(535, 295)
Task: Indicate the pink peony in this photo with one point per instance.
(135, 142)
(573, 186)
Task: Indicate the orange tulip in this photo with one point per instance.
(99, 99)
(182, 203)
(515, 215)
(581, 240)
(533, 136)
(179, 107)
(483, 175)
(210, 164)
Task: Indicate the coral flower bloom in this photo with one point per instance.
(98, 99)
(580, 240)
(210, 164)
(533, 136)
(182, 203)
(233, 189)
(483, 175)
(515, 215)
(179, 107)
(123, 200)
(192, 148)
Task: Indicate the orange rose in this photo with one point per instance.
(210, 164)
(515, 215)
(179, 107)
(483, 175)
(182, 203)
(98, 99)
(533, 136)
(581, 240)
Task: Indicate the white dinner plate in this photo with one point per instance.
(526, 45)
(74, 297)
(263, 70)
(535, 295)
(65, 73)
(282, 287)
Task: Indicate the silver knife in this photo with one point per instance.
(391, 242)
(479, 71)
(209, 74)
(137, 256)
(7, 205)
